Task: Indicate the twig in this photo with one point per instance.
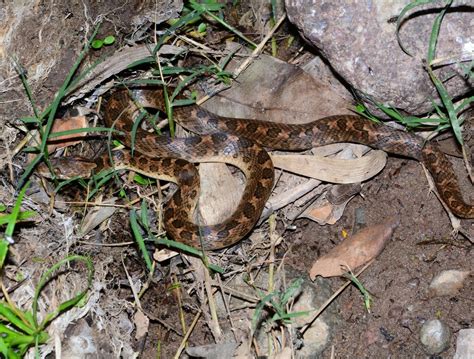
(186, 337)
(260, 47)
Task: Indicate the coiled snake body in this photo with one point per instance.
(239, 142)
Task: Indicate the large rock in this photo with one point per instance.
(359, 40)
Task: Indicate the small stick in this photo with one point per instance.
(188, 334)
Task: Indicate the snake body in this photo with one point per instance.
(241, 142)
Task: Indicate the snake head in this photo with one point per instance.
(67, 167)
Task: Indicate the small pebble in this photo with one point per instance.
(465, 344)
(414, 282)
(435, 336)
(448, 283)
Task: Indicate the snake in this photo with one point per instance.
(242, 143)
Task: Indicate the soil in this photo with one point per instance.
(423, 244)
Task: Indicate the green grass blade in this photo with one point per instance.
(135, 125)
(259, 308)
(182, 21)
(144, 216)
(8, 314)
(288, 316)
(22, 216)
(82, 130)
(99, 180)
(292, 291)
(29, 169)
(204, 9)
(183, 102)
(14, 215)
(152, 82)
(3, 251)
(140, 240)
(435, 33)
(186, 249)
(402, 14)
(464, 104)
(69, 181)
(448, 104)
(169, 111)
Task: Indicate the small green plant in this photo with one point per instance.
(97, 44)
(20, 329)
(277, 302)
(367, 297)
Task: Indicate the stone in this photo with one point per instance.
(448, 283)
(465, 344)
(358, 38)
(435, 336)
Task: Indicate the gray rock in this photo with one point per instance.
(359, 40)
(465, 344)
(435, 336)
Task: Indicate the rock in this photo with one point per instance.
(465, 344)
(213, 351)
(435, 336)
(358, 38)
(448, 282)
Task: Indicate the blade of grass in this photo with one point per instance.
(187, 249)
(82, 130)
(407, 8)
(14, 215)
(140, 240)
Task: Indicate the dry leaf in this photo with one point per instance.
(333, 170)
(66, 124)
(97, 215)
(330, 209)
(355, 251)
(273, 90)
(141, 324)
(322, 214)
(163, 255)
(327, 213)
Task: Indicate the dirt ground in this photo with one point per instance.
(422, 246)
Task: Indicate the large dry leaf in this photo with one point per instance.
(64, 124)
(273, 90)
(333, 170)
(355, 251)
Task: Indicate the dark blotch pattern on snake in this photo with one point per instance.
(240, 142)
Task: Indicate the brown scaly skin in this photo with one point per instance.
(332, 129)
(240, 142)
